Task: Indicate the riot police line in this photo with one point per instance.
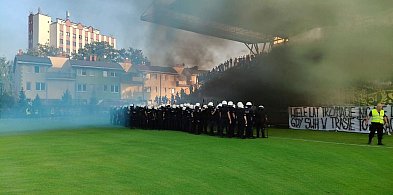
(224, 120)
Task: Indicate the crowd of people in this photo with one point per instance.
(225, 119)
(242, 61)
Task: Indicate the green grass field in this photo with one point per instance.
(121, 161)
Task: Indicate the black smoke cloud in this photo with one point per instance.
(325, 57)
(171, 46)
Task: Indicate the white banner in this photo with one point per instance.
(339, 118)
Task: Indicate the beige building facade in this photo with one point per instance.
(50, 78)
(68, 36)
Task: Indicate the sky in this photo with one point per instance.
(120, 18)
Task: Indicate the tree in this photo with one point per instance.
(66, 98)
(6, 101)
(102, 50)
(177, 98)
(172, 99)
(134, 55)
(182, 93)
(5, 76)
(43, 51)
(105, 52)
(36, 104)
(22, 101)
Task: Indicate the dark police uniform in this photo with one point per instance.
(260, 122)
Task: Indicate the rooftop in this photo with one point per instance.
(37, 60)
(158, 69)
(96, 64)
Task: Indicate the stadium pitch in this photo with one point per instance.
(99, 160)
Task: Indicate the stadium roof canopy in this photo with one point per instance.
(249, 22)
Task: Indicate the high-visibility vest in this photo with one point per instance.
(377, 117)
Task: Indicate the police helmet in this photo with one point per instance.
(248, 104)
(210, 104)
(197, 104)
(224, 102)
(230, 103)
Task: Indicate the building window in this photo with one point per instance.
(81, 88)
(61, 33)
(156, 89)
(113, 74)
(80, 37)
(74, 36)
(61, 41)
(105, 87)
(67, 34)
(28, 86)
(91, 40)
(81, 72)
(74, 44)
(105, 73)
(68, 42)
(115, 88)
(40, 86)
(86, 39)
(36, 69)
(165, 89)
(80, 45)
(68, 50)
(148, 89)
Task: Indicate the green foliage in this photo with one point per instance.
(6, 101)
(105, 52)
(66, 99)
(37, 102)
(22, 101)
(135, 55)
(122, 161)
(44, 51)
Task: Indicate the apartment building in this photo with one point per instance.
(51, 77)
(64, 34)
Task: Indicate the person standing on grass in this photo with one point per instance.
(378, 119)
(260, 121)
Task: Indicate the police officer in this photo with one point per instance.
(249, 120)
(377, 122)
(232, 119)
(210, 117)
(204, 118)
(260, 121)
(241, 120)
(224, 120)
